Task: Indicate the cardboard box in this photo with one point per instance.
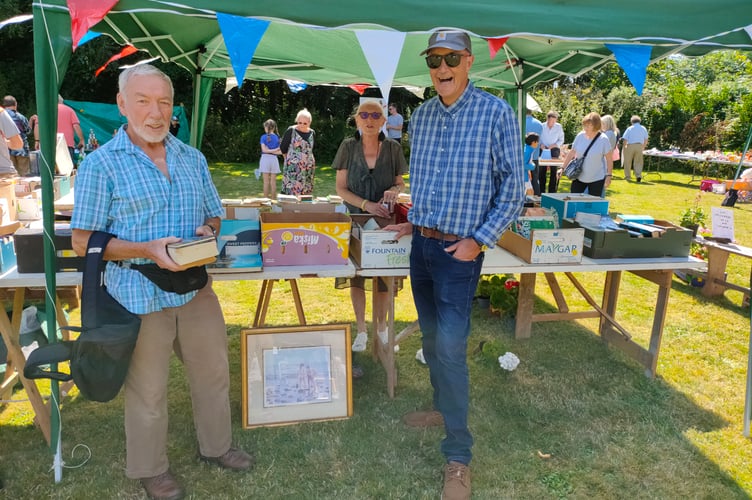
(568, 204)
(30, 252)
(300, 239)
(239, 245)
(29, 208)
(8, 193)
(377, 248)
(240, 212)
(546, 246)
(7, 254)
(310, 208)
(601, 244)
(64, 183)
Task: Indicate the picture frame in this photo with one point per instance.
(296, 374)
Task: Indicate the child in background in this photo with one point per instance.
(269, 164)
(531, 145)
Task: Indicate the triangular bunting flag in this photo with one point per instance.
(382, 50)
(85, 14)
(242, 35)
(296, 86)
(359, 87)
(495, 44)
(128, 50)
(634, 60)
(89, 36)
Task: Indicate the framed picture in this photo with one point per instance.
(296, 374)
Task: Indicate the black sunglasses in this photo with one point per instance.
(452, 60)
(374, 114)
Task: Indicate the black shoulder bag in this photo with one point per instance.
(100, 356)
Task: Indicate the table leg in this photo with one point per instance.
(384, 352)
(263, 303)
(525, 302)
(717, 260)
(15, 354)
(298, 303)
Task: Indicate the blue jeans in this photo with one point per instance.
(443, 290)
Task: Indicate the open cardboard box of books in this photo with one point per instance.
(665, 240)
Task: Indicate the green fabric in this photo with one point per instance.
(104, 119)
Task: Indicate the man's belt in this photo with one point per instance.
(435, 234)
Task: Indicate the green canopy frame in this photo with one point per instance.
(315, 42)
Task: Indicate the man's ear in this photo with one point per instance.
(121, 104)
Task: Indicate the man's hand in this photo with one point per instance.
(403, 229)
(464, 249)
(157, 251)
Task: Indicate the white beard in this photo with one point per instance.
(149, 135)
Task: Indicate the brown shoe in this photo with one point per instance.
(423, 419)
(456, 482)
(234, 459)
(162, 487)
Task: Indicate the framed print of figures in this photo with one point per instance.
(295, 374)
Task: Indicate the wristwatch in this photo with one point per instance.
(483, 246)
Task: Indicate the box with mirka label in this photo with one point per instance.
(304, 239)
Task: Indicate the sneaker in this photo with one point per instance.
(384, 338)
(423, 419)
(162, 487)
(419, 356)
(639, 179)
(233, 459)
(360, 342)
(456, 482)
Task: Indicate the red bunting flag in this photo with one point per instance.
(85, 14)
(359, 87)
(128, 50)
(495, 44)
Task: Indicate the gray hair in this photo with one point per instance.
(142, 70)
(304, 113)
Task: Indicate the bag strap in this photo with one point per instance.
(62, 351)
(93, 277)
(591, 145)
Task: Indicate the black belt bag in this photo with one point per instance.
(193, 278)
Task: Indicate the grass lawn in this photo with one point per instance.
(575, 420)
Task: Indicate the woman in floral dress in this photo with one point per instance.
(300, 165)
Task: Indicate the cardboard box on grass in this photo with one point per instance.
(376, 248)
(601, 244)
(568, 204)
(546, 246)
(305, 239)
(239, 245)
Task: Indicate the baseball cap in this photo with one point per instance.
(455, 40)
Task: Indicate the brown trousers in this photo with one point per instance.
(197, 334)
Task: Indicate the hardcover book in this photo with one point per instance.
(194, 252)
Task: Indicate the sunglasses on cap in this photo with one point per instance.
(374, 114)
(452, 60)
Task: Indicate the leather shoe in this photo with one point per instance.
(423, 419)
(233, 459)
(162, 487)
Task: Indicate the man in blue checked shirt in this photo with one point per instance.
(149, 189)
(467, 185)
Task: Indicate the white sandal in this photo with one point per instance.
(360, 342)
